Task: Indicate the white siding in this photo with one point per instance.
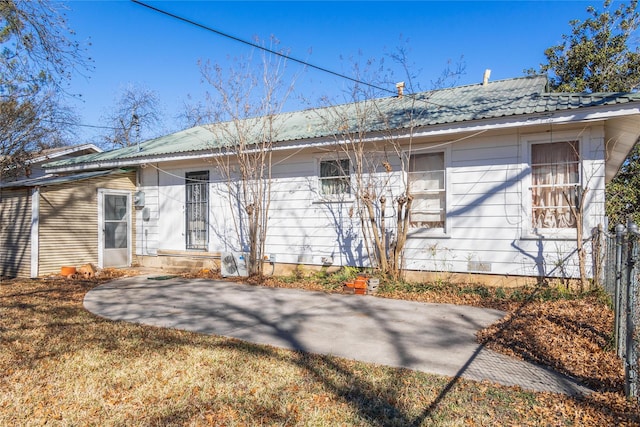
(488, 211)
(171, 199)
(305, 229)
(148, 215)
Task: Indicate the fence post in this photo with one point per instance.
(618, 296)
(631, 365)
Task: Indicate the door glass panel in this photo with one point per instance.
(115, 229)
(115, 235)
(115, 207)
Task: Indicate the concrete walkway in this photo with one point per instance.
(434, 338)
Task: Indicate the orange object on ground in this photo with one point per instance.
(360, 283)
(67, 271)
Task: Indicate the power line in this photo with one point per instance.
(248, 43)
(59, 122)
(280, 54)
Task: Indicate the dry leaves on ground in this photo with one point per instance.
(64, 366)
(571, 336)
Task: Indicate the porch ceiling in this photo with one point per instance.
(621, 133)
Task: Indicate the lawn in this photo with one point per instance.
(64, 366)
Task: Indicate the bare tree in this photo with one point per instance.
(379, 166)
(577, 208)
(563, 203)
(27, 127)
(37, 57)
(194, 113)
(381, 202)
(135, 116)
(243, 108)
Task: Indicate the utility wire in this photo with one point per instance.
(255, 45)
(58, 122)
(280, 54)
(248, 43)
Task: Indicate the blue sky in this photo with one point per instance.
(131, 44)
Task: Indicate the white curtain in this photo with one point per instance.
(427, 184)
(555, 177)
(334, 177)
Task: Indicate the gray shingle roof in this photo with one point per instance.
(512, 97)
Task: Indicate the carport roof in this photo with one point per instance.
(48, 180)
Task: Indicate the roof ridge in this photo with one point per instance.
(419, 96)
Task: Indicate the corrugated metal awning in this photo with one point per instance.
(48, 180)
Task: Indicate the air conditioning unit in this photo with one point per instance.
(233, 264)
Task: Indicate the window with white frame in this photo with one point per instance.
(197, 210)
(555, 178)
(335, 178)
(427, 186)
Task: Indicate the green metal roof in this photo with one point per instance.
(512, 97)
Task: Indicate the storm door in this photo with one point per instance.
(114, 217)
(197, 210)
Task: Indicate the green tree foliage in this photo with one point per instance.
(37, 57)
(623, 192)
(597, 56)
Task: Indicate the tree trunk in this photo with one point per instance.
(402, 224)
(382, 259)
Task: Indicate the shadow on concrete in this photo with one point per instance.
(433, 338)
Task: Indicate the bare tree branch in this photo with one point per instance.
(134, 117)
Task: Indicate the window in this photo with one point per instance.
(555, 178)
(335, 179)
(427, 186)
(197, 209)
(116, 223)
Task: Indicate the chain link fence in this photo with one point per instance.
(620, 279)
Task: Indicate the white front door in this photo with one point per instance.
(114, 233)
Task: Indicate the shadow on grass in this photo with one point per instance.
(58, 326)
(65, 328)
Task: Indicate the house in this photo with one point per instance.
(44, 217)
(493, 169)
(52, 221)
(34, 164)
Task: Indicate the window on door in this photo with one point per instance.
(115, 221)
(427, 186)
(197, 210)
(114, 225)
(555, 171)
